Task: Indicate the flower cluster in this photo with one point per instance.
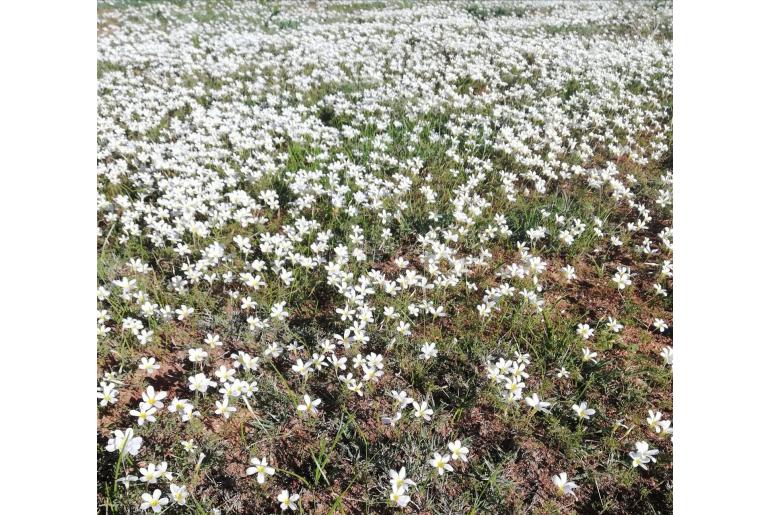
(332, 238)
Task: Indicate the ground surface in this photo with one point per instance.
(357, 202)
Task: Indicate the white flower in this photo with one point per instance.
(302, 368)
(656, 422)
(399, 498)
(582, 411)
(402, 398)
(622, 277)
(535, 402)
(399, 481)
(309, 405)
(642, 455)
(421, 410)
(261, 469)
(223, 407)
(151, 473)
(441, 463)
(145, 414)
(200, 383)
(107, 393)
(148, 365)
(197, 355)
(288, 501)
(152, 398)
(154, 501)
(458, 451)
(614, 325)
(277, 311)
(125, 442)
(588, 355)
(585, 331)
(563, 486)
(428, 351)
(660, 325)
(184, 312)
(484, 310)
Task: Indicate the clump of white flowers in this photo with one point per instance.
(509, 376)
(328, 226)
(399, 487)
